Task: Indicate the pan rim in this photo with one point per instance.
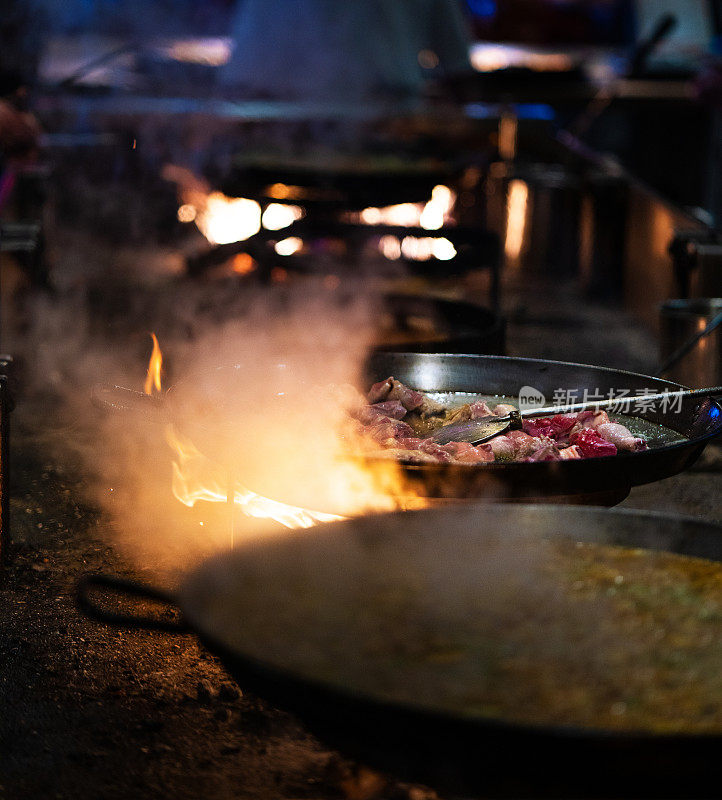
(535, 729)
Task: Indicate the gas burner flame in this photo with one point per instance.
(223, 220)
(354, 489)
(152, 380)
(431, 216)
(196, 478)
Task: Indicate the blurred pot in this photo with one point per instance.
(536, 210)
(680, 320)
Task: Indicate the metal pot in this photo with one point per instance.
(535, 209)
(680, 320)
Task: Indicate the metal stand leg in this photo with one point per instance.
(5, 409)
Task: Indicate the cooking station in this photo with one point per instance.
(227, 570)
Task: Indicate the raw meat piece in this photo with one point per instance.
(591, 444)
(509, 446)
(547, 452)
(557, 427)
(380, 391)
(391, 389)
(479, 409)
(503, 448)
(620, 436)
(408, 442)
(391, 408)
(570, 453)
(466, 453)
(388, 428)
(475, 410)
(435, 450)
(409, 398)
(502, 409)
(590, 419)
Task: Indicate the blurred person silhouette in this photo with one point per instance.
(349, 52)
(19, 130)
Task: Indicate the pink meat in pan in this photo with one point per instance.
(503, 448)
(408, 398)
(435, 450)
(590, 419)
(591, 444)
(391, 389)
(570, 453)
(587, 434)
(388, 428)
(514, 444)
(378, 412)
(621, 437)
(380, 391)
(408, 442)
(557, 427)
(391, 408)
(479, 409)
(465, 453)
(547, 452)
(475, 410)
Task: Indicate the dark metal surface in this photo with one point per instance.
(6, 405)
(465, 754)
(691, 342)
(4, 470)
(603, 480)
(457, 326)
(365, 181)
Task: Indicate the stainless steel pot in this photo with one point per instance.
(680, 320)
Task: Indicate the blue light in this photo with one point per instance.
(482, 8)
(538, 111)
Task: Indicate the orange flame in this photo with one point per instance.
(355, 489)
(196, 477)
(431, 216)
(152, 380)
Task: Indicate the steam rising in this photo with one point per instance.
(249, 398)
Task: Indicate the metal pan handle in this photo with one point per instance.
(91, 587)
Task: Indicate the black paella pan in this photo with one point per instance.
(686, 428)
(680, 432)
(326, 624)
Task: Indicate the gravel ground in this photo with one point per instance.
(89, 710)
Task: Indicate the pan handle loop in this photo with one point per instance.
(92, 587)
